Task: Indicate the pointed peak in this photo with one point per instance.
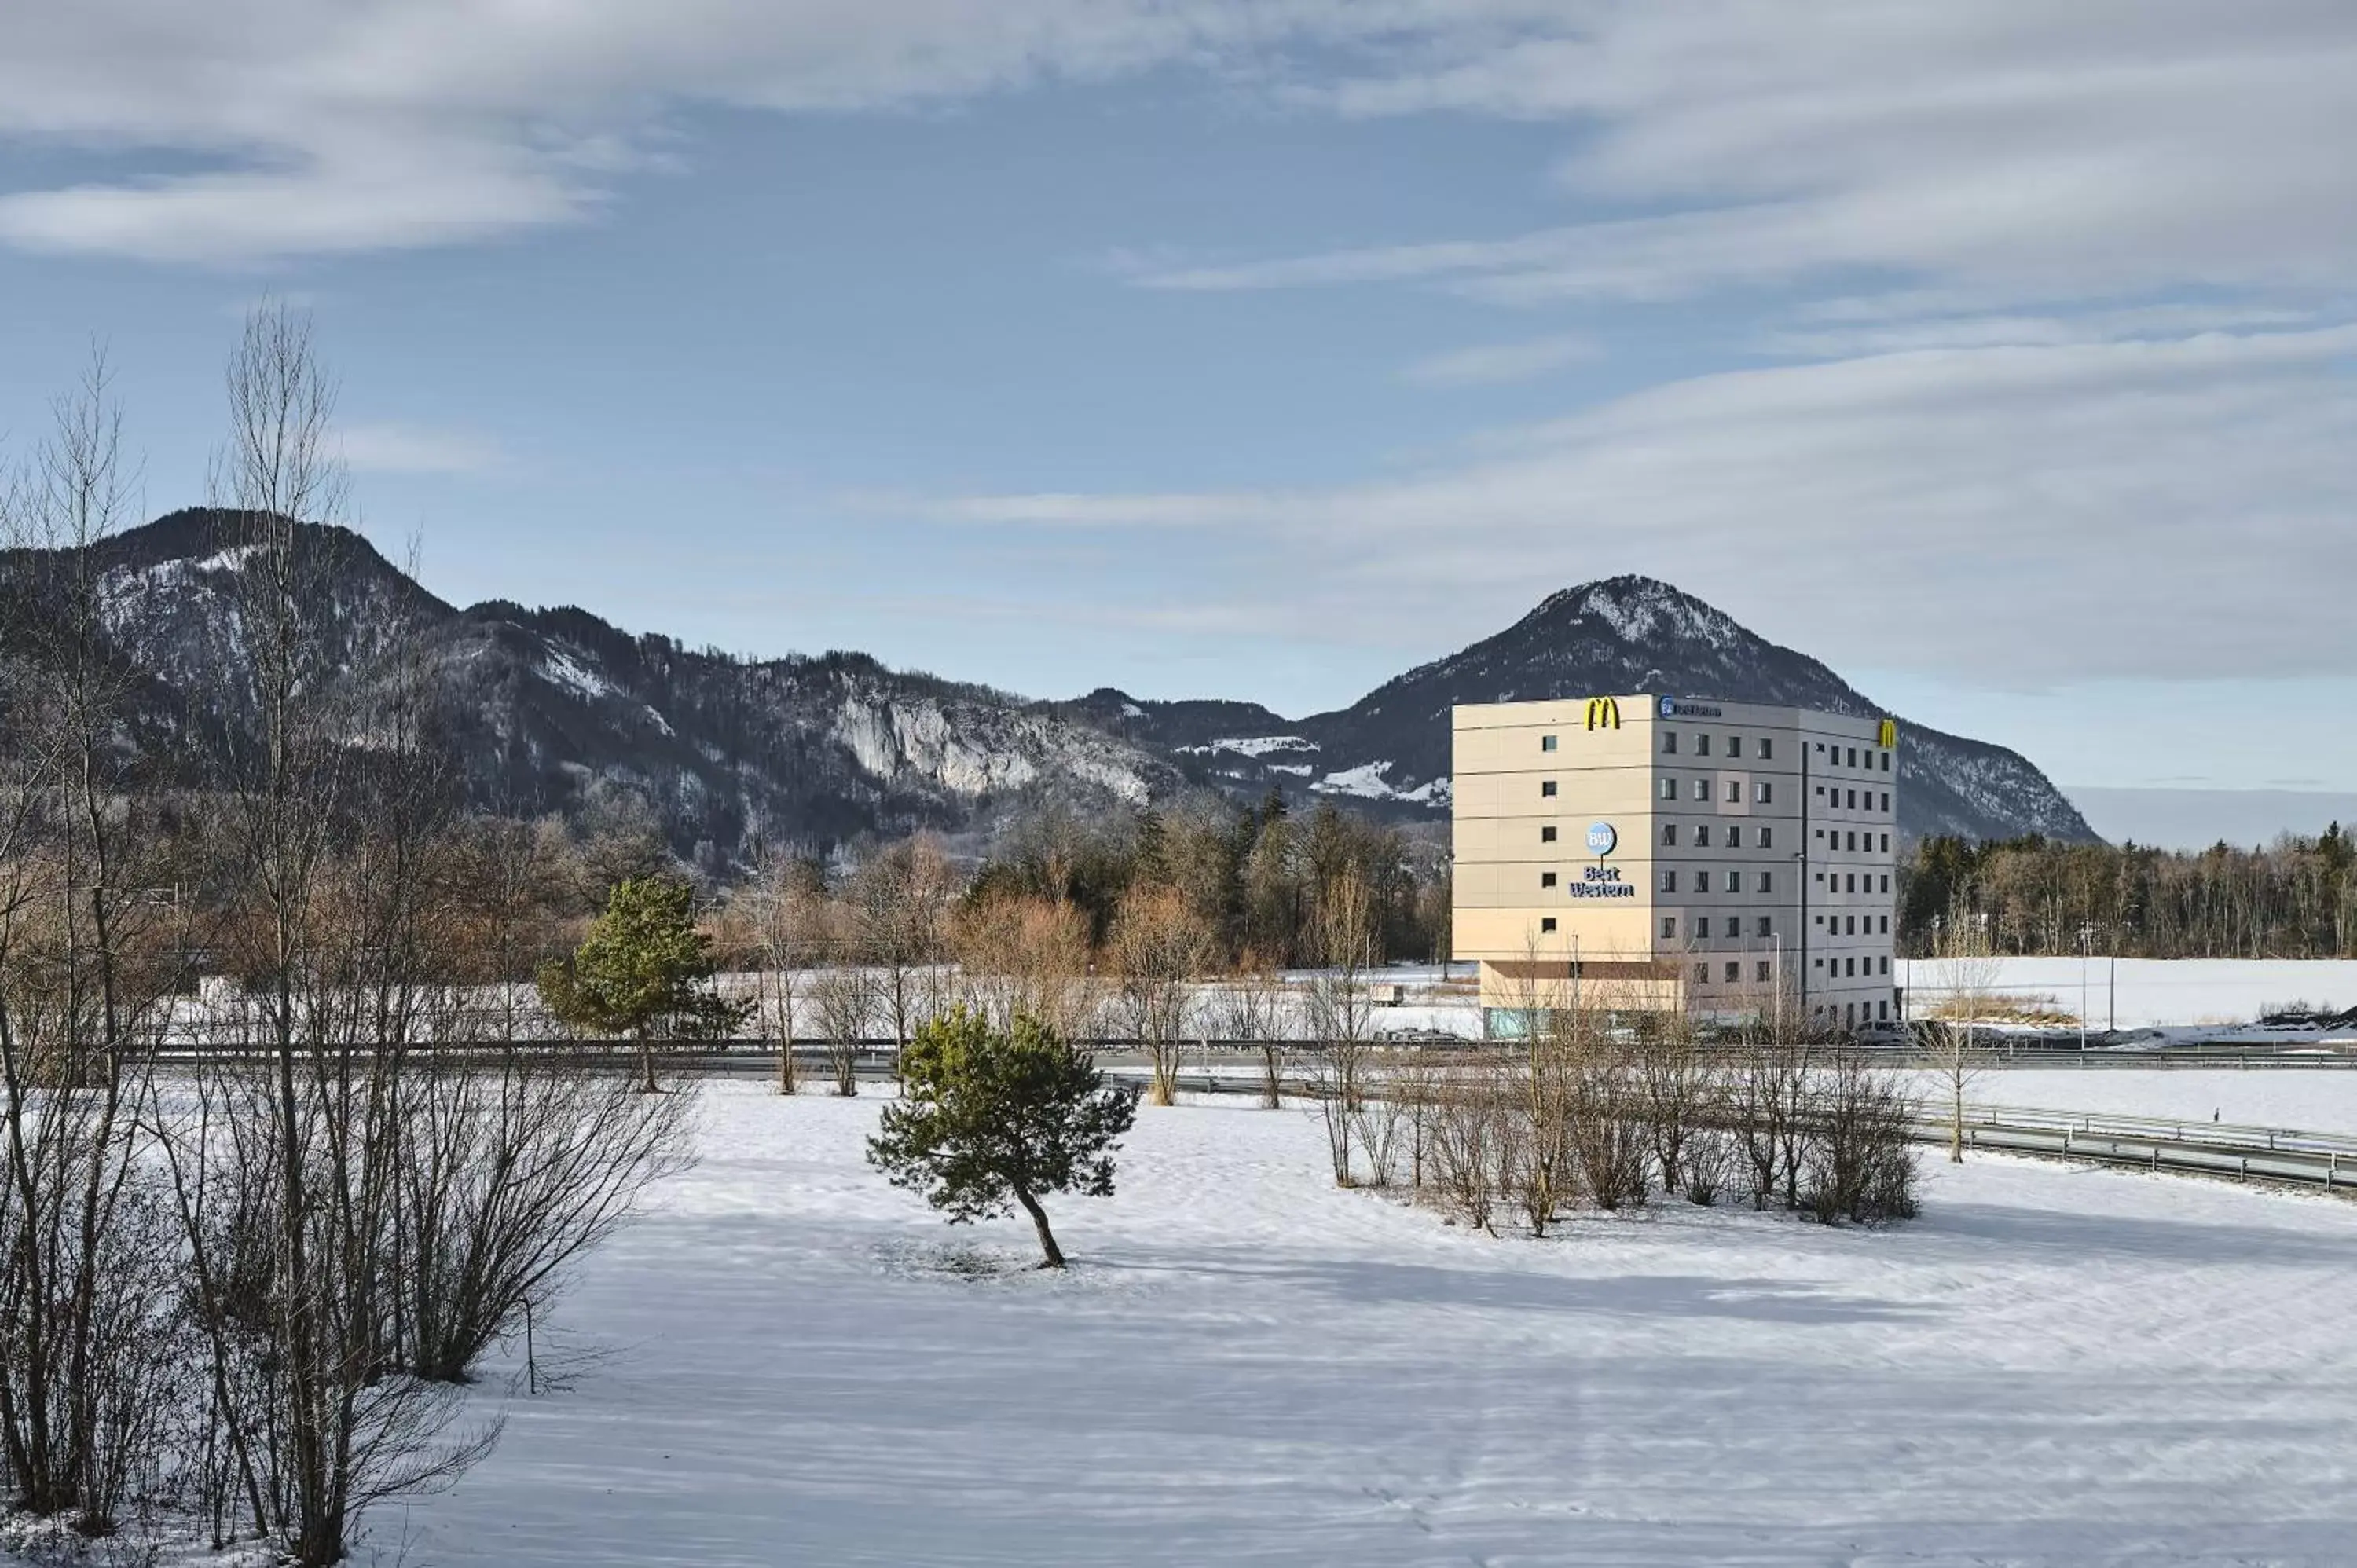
(1635, 609)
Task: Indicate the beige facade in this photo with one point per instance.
(1659, 853)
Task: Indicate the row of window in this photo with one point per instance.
(1836, 840)
(1847, 969)
(1763, 747)
(1838, 929)
(1734, 927)
(1833, 754)
(1763, 791)
(1731, 970)
(1698, 835)
(1728, 881)
(1833, 881)
(1837, 798)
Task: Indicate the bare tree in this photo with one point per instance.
(899, 907)
(843, 997)
(1254, 1010)
(1340, 1001)
(1967, 972)
(1160, 949)
(785, 904)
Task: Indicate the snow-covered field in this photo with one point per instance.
(2319, 1102)
(2151, 992)
(800, 1364)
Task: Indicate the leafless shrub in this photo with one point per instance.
(1861, 1164)
(843, 998)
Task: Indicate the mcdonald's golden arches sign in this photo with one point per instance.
(1603, 713)
(1888, 734)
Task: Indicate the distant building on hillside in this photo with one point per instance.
(1652, 854)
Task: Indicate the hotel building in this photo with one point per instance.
(1653, 853)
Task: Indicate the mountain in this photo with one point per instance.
(1635, 634)
(549, 710)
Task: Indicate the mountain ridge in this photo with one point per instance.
(547, 707)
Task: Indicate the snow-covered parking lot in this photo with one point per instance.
(801, 1365)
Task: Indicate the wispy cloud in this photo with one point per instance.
(1492, 364)
(392, 449)
(2142, 509)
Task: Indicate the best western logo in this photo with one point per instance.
(1603, 713)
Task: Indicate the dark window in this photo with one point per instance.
(1546, 878)
(1734, 971)
(1546, 834)
(1733, 836)
(1759, 971)
(1702, 745)
(1851, 803)
(1886, 762)
(1669, 835)
(1734, 930)
(1853, 842)
(1669, 882)
(1702, 881)
(1882, 1009)
(1546, 786)
(1546, 922)
(1735, 746)
(1702, 790)
(1885, 925)
(1767, 748)
(1849, 970)
(1885, 882)
(1669, 743)
(1547, 742)
(1886, 849)
(1886, 963)
(1702, 974)
(1668, 925)
(1766, 882)
(1853, 883)
(1885, 800)
(1669, 789)
(1766, 838)
(1763, 792)
(1853, 756)
(1763, 925)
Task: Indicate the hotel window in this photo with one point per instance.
(1702, 745)
(1669, 835)
(1851, 803)
(1853, 882)
(1853, 841)
(1886, 762)
(1882, 1009)
(1886, 884)
(1759, 971)
(1886, 963)
(1669, 743)
(1885, 800)
(1766, 838)
(1668, 925)
(1547, 742)
(1734, 927)
(1852, 930)
(1546, 922)
(1735, 746)
(1546, 878)
(1546, 834)
(1669, 789)
(1767, 749)
(1669, 882)
(1702, 881)
(1702, 790)
(1766, 882)
(1702, 974)
(1885, 925)
(1735, 792)
(1547, 787)
(1853, 756)
(1849, 969)
(1733, 836)
(1761, 929)
(1734, 971)
(1886, 843)
(1762, 792)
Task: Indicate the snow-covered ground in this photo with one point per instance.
(2149, 992)
(800, 1364)
(2317, 1102)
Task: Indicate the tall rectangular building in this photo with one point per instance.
(1657, 852)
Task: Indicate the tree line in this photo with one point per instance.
(2295, 899)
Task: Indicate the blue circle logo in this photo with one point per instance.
(1669, 707)
(1602, 839)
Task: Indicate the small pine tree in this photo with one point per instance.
(993, 1118)
(644, 966)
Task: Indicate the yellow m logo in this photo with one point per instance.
(1603, 713)
(1888, 735)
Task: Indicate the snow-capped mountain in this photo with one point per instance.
(544, 708)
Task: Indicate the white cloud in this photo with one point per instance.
(2030, 514)
(392, 449)
(1492, 363)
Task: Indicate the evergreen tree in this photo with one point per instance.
(991, 1118)
(643, 968)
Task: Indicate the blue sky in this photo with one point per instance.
(2005, 356)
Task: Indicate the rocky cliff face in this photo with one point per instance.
(545, 707)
